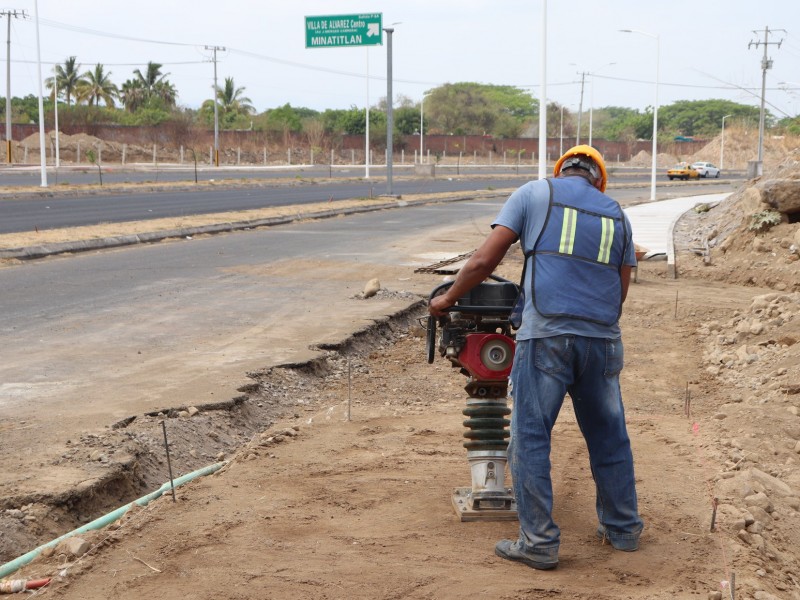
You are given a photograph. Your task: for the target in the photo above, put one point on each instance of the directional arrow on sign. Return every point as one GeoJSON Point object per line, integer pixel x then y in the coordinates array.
{"type": "Point", "coordinates": [372, 29]}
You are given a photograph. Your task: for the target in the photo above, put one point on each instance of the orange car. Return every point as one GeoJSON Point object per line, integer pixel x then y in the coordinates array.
{"type": "Point", "coordinates": [682, 171]}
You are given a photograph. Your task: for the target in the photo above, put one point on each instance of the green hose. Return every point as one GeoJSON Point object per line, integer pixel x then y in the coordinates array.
{"type": "Point", "coordinates": [107, 519]}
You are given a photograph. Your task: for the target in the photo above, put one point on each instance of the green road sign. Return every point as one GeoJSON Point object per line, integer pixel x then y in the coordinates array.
{"type": "Point", "coordinates": [344, 30]}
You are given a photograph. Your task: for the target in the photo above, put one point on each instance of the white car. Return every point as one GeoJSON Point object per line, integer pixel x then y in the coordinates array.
{"type": "Point", "coordinates": [706, 169]}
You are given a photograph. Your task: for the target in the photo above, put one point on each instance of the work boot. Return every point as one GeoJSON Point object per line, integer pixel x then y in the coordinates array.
{"type": "Point", "coordinates": [510, 551]}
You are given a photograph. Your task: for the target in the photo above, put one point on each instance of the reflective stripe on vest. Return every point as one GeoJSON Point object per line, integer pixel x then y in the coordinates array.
{"type": "Point", "coordinates": [604, 255]}
{"type": "Point", "coordinates": [568, 231]}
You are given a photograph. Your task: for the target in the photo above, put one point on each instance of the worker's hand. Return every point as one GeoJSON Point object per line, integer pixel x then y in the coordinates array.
{"type": "Point", "coordinates": [438, 304]}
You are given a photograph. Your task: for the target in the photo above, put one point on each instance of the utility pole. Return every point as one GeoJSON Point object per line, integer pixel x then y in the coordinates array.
{"type": "Point", "coordinates": [766, 63]}
{"type": "Point", "coordinates": [17, 14]}
{"type": "Point", "coordinates": [216, 113]}
{"type": "Point", "coordinates": [580, 110]}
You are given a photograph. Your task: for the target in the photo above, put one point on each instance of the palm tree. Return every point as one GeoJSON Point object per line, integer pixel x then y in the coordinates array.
{"type": "Point", "coordinates": [97, 85]}
{"type": "Point", "coordinates": [66, 80]}
{"type": "Point", "coordinates": [166, 91]}
{"type": "Point", "coordinates": [132, 95]}
{"type": "Point", "coordinates": [232, 98]}
{"type": "Point", "coordinates": [152, 84]}
{"type": "Point", "coordinates": [150, 77]}
{"type": "Point", "coordinates": [234, 106]}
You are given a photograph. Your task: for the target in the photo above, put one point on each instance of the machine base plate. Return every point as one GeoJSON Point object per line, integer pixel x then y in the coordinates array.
{"type": "Point", "coordinates": [462, 503]}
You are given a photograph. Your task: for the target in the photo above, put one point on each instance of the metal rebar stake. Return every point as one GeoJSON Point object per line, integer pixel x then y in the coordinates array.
{"type": "Point", "coordinates": [169, 463]}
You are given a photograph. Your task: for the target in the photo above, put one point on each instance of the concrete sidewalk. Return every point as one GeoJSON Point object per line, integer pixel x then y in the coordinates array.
{"type": "Point", "coordinates": [653, 223]}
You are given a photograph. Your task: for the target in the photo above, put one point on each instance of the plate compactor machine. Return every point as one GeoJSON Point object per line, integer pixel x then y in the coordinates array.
{"type": "Point", "coordinates": [476, 337]}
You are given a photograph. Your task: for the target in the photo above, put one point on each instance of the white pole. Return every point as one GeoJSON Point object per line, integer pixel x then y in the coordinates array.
{"type": "Point", "coordinates": [722, 144]}
{"type": "Point", "coordinates": [366, 134]}
{"type": "Point", "coordinates": [55, 108]}
{"type": "Point", "coordinates": [42, 156]}
{"type": "Point", "coordinates": [421, 125]}
{"type": "Point", "coordinates": [655, 121]}
{"type": "Point", "coordinates": [655, 108]}
{"type": "Point", "coordinates": [591, 106]}
{"type": "Point", "coordinates": [543, 99]}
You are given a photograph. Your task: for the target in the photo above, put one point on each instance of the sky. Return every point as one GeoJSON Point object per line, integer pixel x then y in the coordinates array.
{"type": "Point", "coordinates": [698, 50]}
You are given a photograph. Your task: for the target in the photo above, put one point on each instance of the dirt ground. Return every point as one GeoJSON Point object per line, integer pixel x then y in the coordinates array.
{"type": "Point", "coordinates": [319, 506]}
{"type": "Point", "coordinates": [339, 473]}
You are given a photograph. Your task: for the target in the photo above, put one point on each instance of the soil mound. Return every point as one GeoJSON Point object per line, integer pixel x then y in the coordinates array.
{"type": "Point", "coordinates": [752, 237]}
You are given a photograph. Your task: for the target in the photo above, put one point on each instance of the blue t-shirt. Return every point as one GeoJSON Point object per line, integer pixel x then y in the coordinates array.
{"type": "Point", "coordinates": [524, 213]}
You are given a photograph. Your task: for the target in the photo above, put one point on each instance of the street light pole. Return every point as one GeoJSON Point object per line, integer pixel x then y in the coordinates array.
{"type": "Point", "coordinates": [580, 110]}
{"type": "Point", "coordinates": [722, 144]}
{"type": "Point", "coordinates": [389, 110]}
{"type": "Point", "coordinates": [42, 155]}
{"type": "Point", "coordinates": [543, 99]}
{"type": "Point", "coordinates": [655, 108]}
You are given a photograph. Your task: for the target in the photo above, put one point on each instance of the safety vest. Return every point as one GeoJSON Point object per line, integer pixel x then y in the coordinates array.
{"type": "Point", "coordinates": [577, 257]}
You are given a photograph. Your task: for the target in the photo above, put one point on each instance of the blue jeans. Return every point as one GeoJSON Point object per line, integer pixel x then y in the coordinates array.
{"type": "Point", "coordinates": [544, 371]}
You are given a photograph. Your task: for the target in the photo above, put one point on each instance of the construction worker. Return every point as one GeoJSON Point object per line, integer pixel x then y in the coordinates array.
{"type": "Point", "coordinates": [579, 255]}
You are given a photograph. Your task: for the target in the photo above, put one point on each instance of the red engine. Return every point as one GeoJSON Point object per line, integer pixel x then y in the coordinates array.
{"type": "Point", "coordinates": [487, 356]}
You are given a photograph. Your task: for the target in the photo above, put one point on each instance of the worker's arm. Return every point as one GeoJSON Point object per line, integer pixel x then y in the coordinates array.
{"type": "Point", "coordinates": [625, 279]}
{"type": "Point", "coordinates": [479, 266]}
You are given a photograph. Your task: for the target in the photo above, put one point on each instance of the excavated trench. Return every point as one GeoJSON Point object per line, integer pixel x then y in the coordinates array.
{"type": "Point", "coordinates": [129, 459]}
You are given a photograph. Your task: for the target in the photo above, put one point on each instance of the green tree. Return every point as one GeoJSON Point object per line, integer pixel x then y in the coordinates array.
{"type": "Point", "coordinates": [283, 120]}
{"type": "Point", "coordinates": [406, 120]}
{"type": "Point", "coordinates": [233, 107]}
{"type": "Point", "coordinates": [790, 125]}
{"type": "Point", "coordinates": [703, 118]}
{"type": "Point", "coordinates": [149, 88]}
{"type": "Point", "coordinates": [67, 78]}
{"type": "Point", "coordinates": [232, 98]}
{"type": "Point", "coordinates": [150, 78]}
{"type": "Point", "coordinates": [96, 86]}
{"type": "Point", "coordinates": [620, 124]}
{"type": "Point", "coordinates": [479, 109]}
{"type": "Point", "coordinates": [133, 95]}
{"type": "Point", "coordinates": [25, 110]}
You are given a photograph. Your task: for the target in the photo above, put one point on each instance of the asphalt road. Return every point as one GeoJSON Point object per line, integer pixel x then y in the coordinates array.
{"type": "Point", "coordinates": [67, 210]}
{"type": "Point", "coordinates": [30, 176]}
{"type": "Point", "coordinates": [93, 338]}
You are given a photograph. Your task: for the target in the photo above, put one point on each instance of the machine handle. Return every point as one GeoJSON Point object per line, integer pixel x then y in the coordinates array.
{"type": "Point", "coordinates": [478, 310]}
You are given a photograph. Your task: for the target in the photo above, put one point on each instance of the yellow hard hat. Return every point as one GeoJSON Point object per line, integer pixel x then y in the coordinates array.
{"type": "Point", "coordinates": [584, 150]}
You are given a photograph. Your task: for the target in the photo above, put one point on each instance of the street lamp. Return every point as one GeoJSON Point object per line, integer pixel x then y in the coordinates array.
{"type": "Point", "coordinates": [389, 108]}
{"type": "Point", "coordinates": [655, 108]}
{"type": "Point", "coordinates": [42, 155]}
{"type": "Point", "coordinates": [722, 144]}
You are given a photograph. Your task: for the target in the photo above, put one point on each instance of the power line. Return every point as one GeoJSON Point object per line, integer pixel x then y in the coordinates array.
{"type": "Point", "coordinates": [115, 36]}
